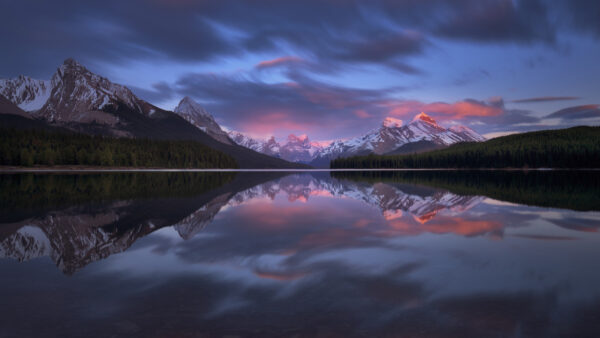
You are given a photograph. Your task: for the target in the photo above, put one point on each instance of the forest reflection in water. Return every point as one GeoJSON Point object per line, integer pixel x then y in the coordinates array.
{"type": "Point", "coordinates": [348, 253]}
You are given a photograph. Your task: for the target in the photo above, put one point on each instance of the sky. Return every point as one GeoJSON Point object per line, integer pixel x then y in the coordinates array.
{"type": "Point", "coordinates": [328, 68]}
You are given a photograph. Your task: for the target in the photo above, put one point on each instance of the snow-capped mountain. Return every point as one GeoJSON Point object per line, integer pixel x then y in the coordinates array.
{"type": "Point", "coordinates": [195, 114]}
{"type": "Point", "coordinates": [27, 93]}
{"type": "Point", "coordinates": [73, 95]}
{"type": "Point", "coordinates": [299, 149]}
{"type": "Point", "coordinates": [392, 135]}
{"type": "Point", "coordinates": [295, 149]}
{"type": "Point", "coordinates": [79, 95]}
{"type": "Point", "coordinates": [269, 147]}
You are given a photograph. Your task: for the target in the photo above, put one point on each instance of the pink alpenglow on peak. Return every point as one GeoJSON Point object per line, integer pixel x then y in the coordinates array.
{"type": "Point", "coordinates": [425, 118]}
{"type": "Point", "coordinates": [299, 138]}
{"type": "Point", "coordinates": [391, 122]}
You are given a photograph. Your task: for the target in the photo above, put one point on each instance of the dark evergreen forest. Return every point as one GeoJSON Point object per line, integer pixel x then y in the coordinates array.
{"type": "Point", "coordinates": [39, 147]}
{"type": "Point", "coordinates": [577, 147]}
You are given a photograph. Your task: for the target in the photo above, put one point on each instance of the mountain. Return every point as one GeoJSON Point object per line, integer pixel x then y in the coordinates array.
{"type": "Point", "coordinates": [576, 147]}
{"type": "Point", "coordinates": [195, 114]}
{"type": "Point", "coordinates": [392, 135]}
{"type": "Point", "coordinates": [269, 147]}
{"type": "Point", "coordinates": [7, 107]}
{"type": "Point", "coordinates": [27, 93]}
{"type": "Point", "coordinates": [421, 134]}
{"type": "Point", "coordinates": [79, 100]}
{"type": "Point", "coordinates": [416, 147]}
{"type": "Point", "coordinates": [296, 149]}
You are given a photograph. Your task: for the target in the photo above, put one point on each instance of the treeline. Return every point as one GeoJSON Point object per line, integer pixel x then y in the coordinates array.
{"type": "Point", "coordinates": [577, 147]}
{"type": "Point", "coordinates": [24, 194]}
{"type": "Point", "coordinates": [38, 147]}
{"type": "Point", "coordinates": [552, 188]}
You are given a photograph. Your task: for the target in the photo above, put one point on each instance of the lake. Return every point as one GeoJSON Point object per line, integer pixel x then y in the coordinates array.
{"type": "Point", "coordinates": [396, 253]}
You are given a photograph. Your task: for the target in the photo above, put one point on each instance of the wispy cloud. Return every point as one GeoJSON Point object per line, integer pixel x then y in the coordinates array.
{"type": "Point", "coordinates": [546, 99]}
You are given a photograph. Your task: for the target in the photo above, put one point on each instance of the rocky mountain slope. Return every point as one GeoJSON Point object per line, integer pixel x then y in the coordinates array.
{"type": "Point", "coordinates": [195, 114]}
{"type": "Point", "coordinates": [79, 100]}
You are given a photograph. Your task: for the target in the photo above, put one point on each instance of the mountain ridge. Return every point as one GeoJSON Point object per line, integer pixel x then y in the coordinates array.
{"type": "Point", "coordinates": [84, 102]}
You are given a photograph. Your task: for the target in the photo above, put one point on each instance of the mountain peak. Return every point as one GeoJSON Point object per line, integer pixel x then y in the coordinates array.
{"type": "Point", "coordinates": [195, 114]}
{"type": "Point", "coordinates": [188, 106]}
{"type": "Point", "coordinates": [71, 66]}
{"type": "Point", "coordinates": [425, 118]}
{"type": "Point", "coordinates": [301, 138]}
{"type": "Point", "coordinates": [71, 63]}
{"type": "Point", "coordinates": [391, 122]}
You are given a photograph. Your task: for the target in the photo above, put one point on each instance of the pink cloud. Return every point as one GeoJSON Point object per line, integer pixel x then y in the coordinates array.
{"type": "Point", "coordinates": [392, 122]}
{"type": "Point", "coordinates": [324, 143]}
{"type": "Point", "coordinates": [264, 124]}
{"type": "Point", "coordinates": [362, 113]}
{"type": "Point", "coordinates": [442, 110]}
{"type": "Point", "coordinates": [278, 62]}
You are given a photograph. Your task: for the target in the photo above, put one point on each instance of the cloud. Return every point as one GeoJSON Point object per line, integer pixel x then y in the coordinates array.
{"type": "Point", "coordinates": [284, 60]}
{"type": "Point", "coordinates": [332, 33]}
{"type": "Point", "coordinates": [445, 111]}
{"type": "Point", "coordinates": [325, 111]}
{"type": "Point", "coordinates": [160, 92]}
{"type": "Point", "coordinates": [299, 105]}
{"type": "Point", "coordinates": [578, 112]}
{"type": "Point", "coordinates": [362, 113]}
{"type": "Point", "coordinates": [546, 99]}
{"type": "Point", "coordinates": [522, 22]}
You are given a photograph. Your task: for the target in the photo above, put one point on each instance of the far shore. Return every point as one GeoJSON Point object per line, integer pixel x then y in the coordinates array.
{"type": "Point", "coordinates": [75, 169]}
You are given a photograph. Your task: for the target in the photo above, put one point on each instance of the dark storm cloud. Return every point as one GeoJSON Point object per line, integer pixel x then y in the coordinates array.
{"type": "Point", "coordinates": [42, 34]}
{"type": "Point", "coordinates": [498, 21]}
{"type": "Point", "coordinates": [38, 35]}
{"type": "Point", "coordinates": [582, 15]}
{"type": "Point", "coordinates": [546, 99]}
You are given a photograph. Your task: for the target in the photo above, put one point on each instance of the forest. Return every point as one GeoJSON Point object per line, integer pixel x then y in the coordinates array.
{"type": "Point", "coordinates": [566, 189]}
{"type": "Point", "coordinates": [577, 147]}
{"type": "Point", "coordinates": [46, 148]}
{"type": "Point", "coordinates": [23, 195]}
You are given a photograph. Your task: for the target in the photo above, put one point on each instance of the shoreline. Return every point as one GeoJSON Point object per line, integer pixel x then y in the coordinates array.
{"type": "Point", "coordinates": [76, 169]}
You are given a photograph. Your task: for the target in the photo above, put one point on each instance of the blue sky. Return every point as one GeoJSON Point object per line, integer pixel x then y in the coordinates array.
{"type": "Point", "coordinates": [328, 68]}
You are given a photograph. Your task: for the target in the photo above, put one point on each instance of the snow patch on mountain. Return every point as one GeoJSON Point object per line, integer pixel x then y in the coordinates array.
{"type": "Point", "coordinates": [27, 93]}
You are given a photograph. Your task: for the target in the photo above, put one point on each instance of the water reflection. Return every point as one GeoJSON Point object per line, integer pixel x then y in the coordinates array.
{"type": "Point", "coordinates": [375, 254]}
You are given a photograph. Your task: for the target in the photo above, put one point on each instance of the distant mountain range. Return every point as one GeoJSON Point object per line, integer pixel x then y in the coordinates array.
{"type": "Point", "coordinates": [421, 134]}
{"type": "Point", "coordinates": [76, 99]}
{"type": "Point", "coordinates": [575, 147]}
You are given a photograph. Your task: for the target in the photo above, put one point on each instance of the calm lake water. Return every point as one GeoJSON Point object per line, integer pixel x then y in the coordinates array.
{"type": "Point", "coordinates": [431, 254]}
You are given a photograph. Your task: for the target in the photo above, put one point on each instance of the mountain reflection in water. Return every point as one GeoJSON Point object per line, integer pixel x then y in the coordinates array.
{"type": "Point", "coordinates": [347, 254]}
